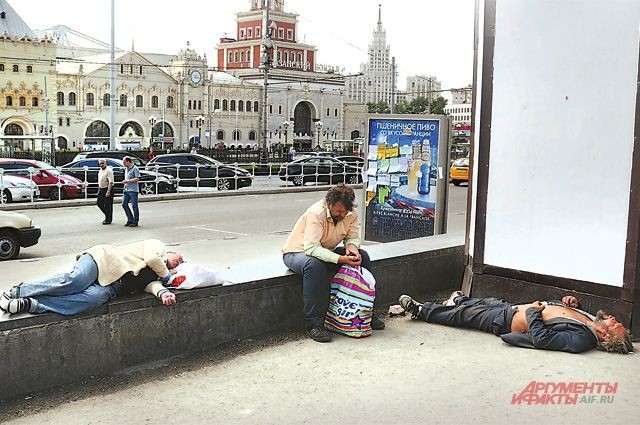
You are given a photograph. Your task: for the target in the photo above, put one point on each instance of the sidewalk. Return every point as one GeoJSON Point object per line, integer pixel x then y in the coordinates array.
{"type": "Point", "coordinates": [410, 373]}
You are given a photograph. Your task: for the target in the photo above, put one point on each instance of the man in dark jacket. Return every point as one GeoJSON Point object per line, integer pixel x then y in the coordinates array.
{"type": "Point", "coordinates": [551, 325]}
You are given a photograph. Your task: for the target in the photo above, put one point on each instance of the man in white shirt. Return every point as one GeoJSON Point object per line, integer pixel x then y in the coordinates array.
{"type": "Point", "coordinates": [105, 191]}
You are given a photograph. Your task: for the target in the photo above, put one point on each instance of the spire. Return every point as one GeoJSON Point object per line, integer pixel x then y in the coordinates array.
{"type": "Point", "coordinates": [133, 46]}
{"type": "Point", "coordinates": [379, 15]}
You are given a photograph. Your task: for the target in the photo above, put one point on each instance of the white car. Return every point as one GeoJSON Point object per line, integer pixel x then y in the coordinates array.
{"type": "Point", "coordinates": [16, 230]}
{"type": "Point", "coordinates": [17, 189]}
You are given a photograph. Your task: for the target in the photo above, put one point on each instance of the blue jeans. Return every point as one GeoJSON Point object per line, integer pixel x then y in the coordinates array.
{"type": "Point", "coordinates": [69, 293]}
{"type": "Point", "coordinates": [132, 197]}
{"type": "Point", "coordinates": [316, 282]}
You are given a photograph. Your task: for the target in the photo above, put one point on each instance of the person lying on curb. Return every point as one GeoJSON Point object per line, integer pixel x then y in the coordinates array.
{"type": "Point", "coordinates": [311, 250]}
{"type": "Point", "coordinates": [100, 273]}
{"type": "Point", "coordinates": [549, 325]}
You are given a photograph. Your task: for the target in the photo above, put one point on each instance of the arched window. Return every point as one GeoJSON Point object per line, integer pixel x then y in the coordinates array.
{"type": "Point", "coordinates": [242, 56]}
{"type": "Point", "coordinates": [106, 99]}
{"type": "Point", "coordinates": [271, 109]}
{"type": "Point", "coordinates": [154, 101]}
{"type": "Point", "coordinates": [328, 111]}
{"type": "Point", "coordinates": [90, 99]}
{"type": "Point", "coordinates": [278, 56]}
{"type": "Point", "coordinates": [34, 101]}
{"type": "Point", "coordinates": [97, 129]}
{"type": "Point", "coordinates": [216, 104]}
{"type": "Point", "coordinates": [72, 99]}
{"type": "Point", "coordinates": [279, 109]}
{"type": "Point", "coordinates": [232, 105]}
{"type": "Point", "coordinates": [123, 100]}
{"type": "Point", "coordinates": [236, 135]}
{"type": "Point", "coordinates": [286, 56]}
{"type": "Point", "coordinates": [22, 101]}
{"type": "Point", "coordinates": [140, 69]}
{"type": "Point", "coordinates": [225, 105]}
{"type": "Point", "coordinates": [241, 106]}
{"type": "Point", "coordinates": [15, 68]}
{"type": "Point", "coordinates": [13, 130]}
{"type": "Point", "coordinates": [200, 105]}
{"type": "Point", "coordinates": [68, 120]}
{"type": "Point", "coordinates": [220, 135]}
{"type": "Point", "coordinates": [230, 57]}
{"type": "Point", "coordinates": [1, 67]}
{"type": "Point", "coordinates": [189, 104]}
{"type": "Point", "coordinates": [235, 56]}
{"type": "Point", "coordinates": [169, 102]}
{"type": "Point", "coordinates": [59, 121]}
{"type": "Point", "coordinates": [300, 58]}
{"type": "Point", "coordinates": [252, 135]}
{"type": "Point", "coordinates": [60, 98]}
{"type": "Point", "coordinates": [335, 112]}
{"type": "Point", "coordinates": [29, 69]}
{"type": "Point", "coordinates": [256, 106]}
{"type": "Point", "coordinates": [139, 101]}
{"type": "Point", "coordinates": [248, 106]}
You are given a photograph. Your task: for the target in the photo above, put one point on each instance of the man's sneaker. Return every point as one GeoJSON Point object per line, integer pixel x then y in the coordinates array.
{"type": "Point", "coordinates": [4, 301]}
{"type": "Point", "coordinates": [452, 299]}
{"type": "Point", "coordinates": [410, 305]}
{"type": "Point", "coordinates": [376, 323]}
{"type": "Point", "coordinates": [319, 334]}
{"type": "Point", "coordinates": [14, 305]}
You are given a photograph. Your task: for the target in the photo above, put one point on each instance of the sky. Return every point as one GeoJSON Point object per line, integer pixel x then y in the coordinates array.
{"type": "Point", "coordinates": [427, 37]}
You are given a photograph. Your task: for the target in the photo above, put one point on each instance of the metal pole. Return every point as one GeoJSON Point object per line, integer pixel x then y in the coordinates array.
{"type": "Point", "coordinates": [112, 79]}
{"type": "Point", "coordinates": [266, 40]}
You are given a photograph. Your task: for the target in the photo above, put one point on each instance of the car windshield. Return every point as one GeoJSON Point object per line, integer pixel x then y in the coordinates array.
{"type": "Point", "coordinates": [50, 168]}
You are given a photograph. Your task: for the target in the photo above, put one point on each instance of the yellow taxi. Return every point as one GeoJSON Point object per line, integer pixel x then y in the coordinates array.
{"type": "Point", "coordinates": [459, 171]}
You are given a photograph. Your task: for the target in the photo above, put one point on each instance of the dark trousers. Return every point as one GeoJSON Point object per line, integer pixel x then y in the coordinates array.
{"type": "Point", "coordinates": [316, 282]}
{"type": "Point", "coordinates": [485, 314]}
{"type": "Point", "coordinates": [105, 203]}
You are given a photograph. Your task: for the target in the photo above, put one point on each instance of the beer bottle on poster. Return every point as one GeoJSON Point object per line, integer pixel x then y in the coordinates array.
{"type": "Point", "coordinates": [424, 183]}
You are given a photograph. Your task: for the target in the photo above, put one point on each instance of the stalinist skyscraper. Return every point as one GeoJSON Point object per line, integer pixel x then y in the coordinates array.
{"type": "Point", "coordinates": [377, 81]}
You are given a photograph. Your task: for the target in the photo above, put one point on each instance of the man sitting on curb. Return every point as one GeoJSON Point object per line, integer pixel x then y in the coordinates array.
{"type": "Point", "coordinates": [100, 273]}
{"type": "Point", "coordinates": [552, 325]}
{"type": "Point", "coordinates": [310, 251]}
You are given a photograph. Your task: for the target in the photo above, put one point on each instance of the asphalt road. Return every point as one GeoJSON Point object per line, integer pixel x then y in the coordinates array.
{"type": "Point", "coordinates": [72, 229]}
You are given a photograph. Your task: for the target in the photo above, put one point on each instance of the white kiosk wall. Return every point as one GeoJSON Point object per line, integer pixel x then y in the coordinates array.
{"type": "Point", "coordinates": [562, 133]}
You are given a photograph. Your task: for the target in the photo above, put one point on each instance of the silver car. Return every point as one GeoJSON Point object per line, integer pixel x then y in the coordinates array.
{"type": "Point", "coordinates": [17, 189]}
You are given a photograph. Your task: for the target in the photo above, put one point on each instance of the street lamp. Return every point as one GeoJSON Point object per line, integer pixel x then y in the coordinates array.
{"type": "Point", "coordinates": [285, 125]}
{"type": "Point", "coordinates": [199, 122]}
{"type": "Point", "coordinates": [152, 122]}
{"type": "Point", "coordinates": [318, 130]}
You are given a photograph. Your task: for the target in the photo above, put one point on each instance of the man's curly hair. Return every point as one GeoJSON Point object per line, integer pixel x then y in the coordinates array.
{"type": "Point", "coordinates": [341, 193]}
{"type": "Point", "coordinates": [615, 343]}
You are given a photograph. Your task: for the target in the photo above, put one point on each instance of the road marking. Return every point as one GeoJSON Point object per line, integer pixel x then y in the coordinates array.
{"type": "Point", "coordinates": [212, 230]}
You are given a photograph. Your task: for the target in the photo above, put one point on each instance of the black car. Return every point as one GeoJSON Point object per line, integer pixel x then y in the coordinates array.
{"type": "Point", "coordinates": [137, 161]}
{"type": "Point", "coordinates": [322, 169]}
{"type": "Point", "coordinates": [192, 169]}
{"type": "Point", "coordinates": [355, 161]}
{"type": "Point", "coordinates": [147, 183]}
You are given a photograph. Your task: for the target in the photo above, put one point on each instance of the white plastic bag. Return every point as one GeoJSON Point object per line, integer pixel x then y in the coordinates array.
{"type": "Point", "coordinates": [191, 275]}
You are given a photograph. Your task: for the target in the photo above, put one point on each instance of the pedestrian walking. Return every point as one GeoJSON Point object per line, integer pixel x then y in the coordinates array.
{"type": "Point", "coordinates": [131, 191]}
{"type": "Point", "coordinates": [105, 191]}
{"type": "Point", "coordinates": [151, 154]}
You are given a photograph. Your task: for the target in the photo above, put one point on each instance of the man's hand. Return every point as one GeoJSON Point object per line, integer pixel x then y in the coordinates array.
{"type": "Point", "coordinates": [570, 301]}
{"type": "Point", "coordinates": [537, 305]}
{"type": "Point", "coordinates": [168, 298]}
{"type": "Point", "coordinates": [350, 259]}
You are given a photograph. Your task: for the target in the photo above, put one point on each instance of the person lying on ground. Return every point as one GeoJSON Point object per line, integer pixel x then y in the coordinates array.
{"type": "Point", "coordinates": [550, 325]}
{"type": "Point", "coordinates": [100, 273]}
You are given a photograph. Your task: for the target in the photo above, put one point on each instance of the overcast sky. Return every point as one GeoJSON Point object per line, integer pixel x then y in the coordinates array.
{"type": "Point", "coordinates": [429, 37]}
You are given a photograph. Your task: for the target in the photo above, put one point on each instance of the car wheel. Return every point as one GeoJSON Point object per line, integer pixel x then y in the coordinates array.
{"type": "Point", "coordinates": [5, 197]}
{"type": "Point", "coordinates": [57, 193]}
{"type": "Point", "coordinates": [224, 184]}
{"type": "Point", "coordinates": [298, 180]}
{"type": "Point", "coordinates": [147, 188]}
{"type": "Point", "coordinates": [353, 179]}
{"type": "Point", "coordinates": [9, 246]}
{"type": "Point", "coordinates": [456, 182]}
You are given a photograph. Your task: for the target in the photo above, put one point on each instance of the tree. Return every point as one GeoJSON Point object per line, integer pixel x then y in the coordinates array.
{"type": "Point", "coordinates": [380, 107]}
{"type": "Point", "coordinates": [437, 106]}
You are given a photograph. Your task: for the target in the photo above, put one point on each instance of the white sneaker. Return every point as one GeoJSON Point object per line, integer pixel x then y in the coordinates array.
{"type": "Point", "coordinates": [452, 299]}
{"type": "Point", "coordinates": [4, 301]}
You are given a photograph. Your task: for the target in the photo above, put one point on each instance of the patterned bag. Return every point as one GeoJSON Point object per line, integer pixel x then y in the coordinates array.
{"type": "Point", "coordinates": [353, 291]}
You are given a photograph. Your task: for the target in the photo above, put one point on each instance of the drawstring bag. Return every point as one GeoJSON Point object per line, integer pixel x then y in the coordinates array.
{"type": "Point", "coordinates": [353, 291]}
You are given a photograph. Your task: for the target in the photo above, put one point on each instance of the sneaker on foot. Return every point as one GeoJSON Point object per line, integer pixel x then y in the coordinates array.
{"type": "Point", "coordinates": [17, 305]}
{"type": "Point", "coordinates": [319, 334]}
{"type": "Point", "coordinates": [452, 299]}
{"type": "Point", "coordinates": [376, 323]}
{"type": "Point", "coordinates": [5, 298]}
{"type": "Point", "coordinates": [410, 305]}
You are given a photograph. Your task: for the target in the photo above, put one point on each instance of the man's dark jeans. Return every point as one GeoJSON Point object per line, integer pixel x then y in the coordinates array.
{"type": "Point", "coordinates": [316, 282]}
{"type": "Point", "coordinates": [485, 314]}
{"type": "Point", "coordinates": [105, 203]}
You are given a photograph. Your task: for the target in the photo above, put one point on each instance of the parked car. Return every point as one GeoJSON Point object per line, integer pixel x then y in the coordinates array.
{"type": "Point", "coordinates": [137, 161]}
{"type": "Point", "coordinates": [16, 230]}
{"type": "Point", "coordinates": [318, 168]}
{"type": "Point", "coordinates": [52, 183]}
{"type": "Point", "coordinates": [459, 171]}
{"type": "Point", "coordinates": [17, 189]}
{"type": "Point", "coordinates": [355, 161]}
{"type": "Point", "coordinates": [210, 171]}
{"type": "Point", "coordinates": [147, 184]}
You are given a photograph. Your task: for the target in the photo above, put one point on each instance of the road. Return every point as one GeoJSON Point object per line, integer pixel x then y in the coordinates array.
{"type": "Point", "coordinates": [71, 229]}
